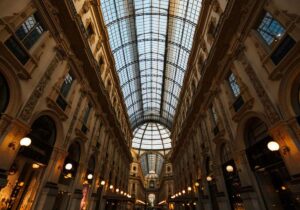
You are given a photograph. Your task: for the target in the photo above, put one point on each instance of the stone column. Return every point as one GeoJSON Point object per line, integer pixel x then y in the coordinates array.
{"type": "Point", "coordinates": [76, 189]}
{"type": "Point", "coordinates": [48, 188]}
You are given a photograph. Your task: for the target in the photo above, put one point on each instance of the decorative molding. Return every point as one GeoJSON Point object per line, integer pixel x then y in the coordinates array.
{"type": "Point", "coordinates": [269, 108]}
{"type": "Point", "coordinates": [26, 113]}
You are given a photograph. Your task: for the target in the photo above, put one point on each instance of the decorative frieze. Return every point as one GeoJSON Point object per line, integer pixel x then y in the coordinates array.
{"type": "Point", "coordinates": [37, 93]}
{"type": "Point", "coordinates": [269, 108]}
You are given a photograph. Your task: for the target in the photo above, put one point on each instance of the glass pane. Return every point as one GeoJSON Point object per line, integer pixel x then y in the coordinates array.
{"type": "Point", "coordinates": [270, 29]}
{"type": "Point", "coordinates": [66, 86]}
{"type": "Point", "coordinates": [150, 41]}
{"type": "Point", "coordinates": [234, 86]}
{"type": "Point", "coordinates": [13, 45]}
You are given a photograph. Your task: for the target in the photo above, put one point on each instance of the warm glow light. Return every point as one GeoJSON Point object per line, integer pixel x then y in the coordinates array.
{"type": "Point", "coordinates": [128, 196]}
{"type": "Point", "coordinates": [102, 183]}
{"type": "Point", "coordinates": [68, 176]}
{"type": "Point", "coordinates": [90, 176]}
{"type": "Point", "coordinates": [179, 193]}
{"type": "Point", "coordinates": [197, 184]}
{"type": "Point", "coordinates": [209, 178]}
{"type": "Point", "coordinates": [25, 141]}
{"type": "Point", "coordinates": [122, 192]}
{"type": "Point", "coordinates": [68, 166]}
{"type": "Point", "coordinates": [117, 190]}
{"type": "Point", "coordinates": [111, 186]}
{"type": "Point", "coordinates": [195, 203]}
{"type": "Point", "coordinates": [229, 168]}
{"type": "Point", "coordinates": [35, 165]}
{"type": "Point", "coordinates": [125, 194]}
{"type": "Point", "coordinates": [189, 189]}
{"type": "Point", "coordinates": [183, 191]}
{"type": "Point", "coordinates": [21, 184]}
{"type": "Point", "coordinates": [283, 187]}
{"type": "Point", "coordinates": [273, 146]}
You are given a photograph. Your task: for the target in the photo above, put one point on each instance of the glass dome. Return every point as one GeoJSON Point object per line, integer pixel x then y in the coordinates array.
{"type": "Point", "coordinates": [151, 136]}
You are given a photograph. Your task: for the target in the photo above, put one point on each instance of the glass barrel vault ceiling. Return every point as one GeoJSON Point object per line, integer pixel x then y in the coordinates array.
{"type": "Point", "coordinates": [151, 42]}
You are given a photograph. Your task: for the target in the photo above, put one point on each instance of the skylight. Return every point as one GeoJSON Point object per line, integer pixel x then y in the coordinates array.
{"type": "Point", "coordinates": [151, 136]}
{"type": "Point", "coordinates": [152, 162]}
{"type": "Point", "coordinates": [151, 42]}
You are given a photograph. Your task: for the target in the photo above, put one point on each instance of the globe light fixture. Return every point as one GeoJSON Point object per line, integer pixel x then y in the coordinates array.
{"type": "Point", "coordinates": [111, 186]}
{"type": "Point", "coordinates": [189, 189]}
{"type": "Point", "coordinates": [229, 168]}
{"type": "Point", "coordinates": [117, 190]}
{"type": "Point", "coordinates": [122, 192]}
{"type": "Point", "coordinates": [273, 146]}
{"type": "Point", "coordinates": [209, 178]}
{"type": "Point", "coordinates": [68, 166]}
{"type": "Point", "coordinates": [90, 176]}
{"type": "Point", "coordinates": [197, 184]}
{"type": "Point", "coordinates": [183, 191]}
{"type": "Point", "coordinates": [102, 183]}
{"type": "Point", "coordinates": [35, 166]}
{"type": "Point", "coordinates": [179, 193]}
{"type": "Point", "coordinates": [26, 141]}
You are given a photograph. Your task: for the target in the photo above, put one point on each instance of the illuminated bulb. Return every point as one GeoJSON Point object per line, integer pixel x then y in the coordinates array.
{"type": "Point", "coordinates": [117, 190]}
{"type": "Point", "coordinates": [102, 183]}
{"type": "Point", "coordinates": [189, 189]}
{"type": "Point", "coordinates": [229, 168]}
{"type": "Point", "coordinates": [125, 194]}
{"type": "Point", "coordinates": [209, 178]}
{"type": "Point", "coordinates": [111, 186]}
{"type": "Point", "coordinates": [25, 141]}
{"type": "Point", "coordinates": [179, 193]}
{"type": "Point", "coordinates": [122, 192]}
{"type": "Point", "coordinates": [273, 146]}
{"type": "Point", "coordinates": [183, 191]}
{"type": "Point", "coordinates": [128, 196]}
{"type": "Point", "coordinates": [195, 203]}
{"type": "Point", "coordinates": [35, 165]}
{"type": "Point", "coordinates": [21, 184]}
{"type": "Point", "coordinates": [283, 187]}
{"type": "Point", "coordinates": [197, 184]}
{"type": "Point", "coordinates": [90, 176]}
{"type": "Point", "coordinates": [68, 166]}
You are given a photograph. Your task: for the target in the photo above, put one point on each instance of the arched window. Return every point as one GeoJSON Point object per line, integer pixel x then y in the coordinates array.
{"type": "Point", "coordinates": [4, 94]}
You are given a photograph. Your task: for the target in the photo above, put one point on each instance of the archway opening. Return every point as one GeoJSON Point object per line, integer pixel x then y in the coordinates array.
{"type": "Point", "coordinates": [31, 162]}
{"type": "Point", "coordinates": [268, 166]}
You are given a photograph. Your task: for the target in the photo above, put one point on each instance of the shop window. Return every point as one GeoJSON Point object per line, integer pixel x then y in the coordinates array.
{"type": "Point", "coordinates": [4, 94]}
{"type": "Point", "coordinates": [64, 91]}
{"type": "Point", "coordinates": [270, 29]}
{"type": "Point", "coordinates": [27, 34]}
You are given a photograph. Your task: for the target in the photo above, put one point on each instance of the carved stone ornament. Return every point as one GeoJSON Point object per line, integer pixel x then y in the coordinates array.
{"type": "Point", "coordinates": [39, 90]}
